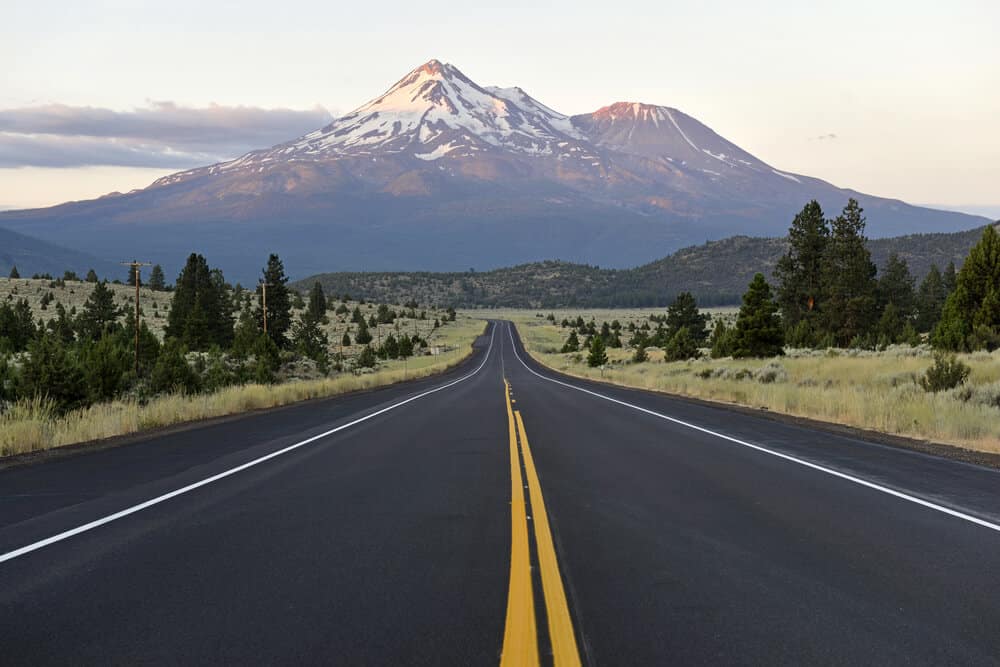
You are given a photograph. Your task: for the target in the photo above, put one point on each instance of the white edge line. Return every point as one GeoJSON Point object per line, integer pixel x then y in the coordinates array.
{"type": "Point", "coordinates": [10, 555]}
{"type": "Point", "coordinates": [765, 450]}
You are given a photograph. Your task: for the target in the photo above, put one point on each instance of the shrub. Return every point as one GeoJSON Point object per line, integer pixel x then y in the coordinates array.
{"type": "Point", "coordinates": [640, 355]}
{"type": "Point", "coordinates": [682, 346]}
{"type": "Point", "coordinates": [946, 373]}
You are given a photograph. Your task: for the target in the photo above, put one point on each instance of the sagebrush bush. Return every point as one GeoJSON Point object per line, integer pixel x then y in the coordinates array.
{"type": "Point", "coordinates": [946, 373]}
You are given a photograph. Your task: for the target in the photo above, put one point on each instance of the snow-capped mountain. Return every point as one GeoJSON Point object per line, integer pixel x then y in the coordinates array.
{"type": "Point", "coordinates": [439, 172]}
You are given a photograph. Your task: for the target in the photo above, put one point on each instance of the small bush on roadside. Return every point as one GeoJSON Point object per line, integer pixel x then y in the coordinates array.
{"type": "Point", "coordinates": [946, 373]}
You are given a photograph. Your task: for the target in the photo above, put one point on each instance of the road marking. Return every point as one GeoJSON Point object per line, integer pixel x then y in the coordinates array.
{"type": "Point", "coordinates": [564, 650]}
{"type": "Point", "coordinates": [829, 471]}
{"type": "Point", "coordinates": [520, 638]}
{"type": "Point", "coordinates": [10, 555]}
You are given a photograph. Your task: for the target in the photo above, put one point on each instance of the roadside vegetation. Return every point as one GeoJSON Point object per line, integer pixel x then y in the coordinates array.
{"type": "Point", "coordinates": [69, 373]}
{"type": "Point", "coordinates": [833, 339]}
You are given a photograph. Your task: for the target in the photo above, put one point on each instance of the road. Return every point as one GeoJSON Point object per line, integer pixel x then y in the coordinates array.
{"type": "Point", "coordinates": [500, 513]}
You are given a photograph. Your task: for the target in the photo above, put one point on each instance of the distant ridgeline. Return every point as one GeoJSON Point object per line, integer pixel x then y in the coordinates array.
{"type": "Point", "coordinates": [717, 273]}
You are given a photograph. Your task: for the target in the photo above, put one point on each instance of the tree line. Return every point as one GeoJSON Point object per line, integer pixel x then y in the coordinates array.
{"type": "Point", "coordinates": [829, 293]}
{"type": "Point", "coordinates": [80, 358]}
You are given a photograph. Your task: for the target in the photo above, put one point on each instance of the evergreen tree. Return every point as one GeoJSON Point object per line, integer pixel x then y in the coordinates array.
{"type": "Point", "coordinates": [346, 340]}
{"type": "Point", "coordinates": [363, 337]}
{"type": "Point", "coordinates": [597, 356]}
{"type": "Point", "coordinates": [130, 280]}
{"type": "Point", "coordinates": [849, 275]}
{"type": "Point", "coordinates": [99, 315]}
{"type": "Point", "coordinates": [366, 359]}
{"type": "Point", "coordinates": [930, 300]}
{"type": "Point", "coordinates": [50, 371]}
{"type": "Point", "coordinates": [681, 346]}
{"type": "Point", "coordinates": [950, 278]}
{"type": "Point", "coordinates": [971, 316]}
{"type": "Point", "coordinates": [572, 343]}
{"type": "Point", "coordinates": [683, 313]}
{"type": "Point", "coordinates": [390, 348]}
{"type": "Point", "coordinates": [896, 286]}
{"type": "Point", "coordinates": [62, 325]}
{"type": "Point", "coordinates": [759, 331]}
{"type": "Point", "coordinates": [149, 345]}
{"type": "Point", "coordinates": [316, 311]}
{"type": "Point", "coordinates": [356, 316]}
{"type": "Point", "coordinates": [92, 276]}
{"type": "Point", "coordinates": [17, 327]}
{"type": "Point", "coordinates": [107, 367]}
{"type": "Point", "coordinates": [722, 340]}
{"type": "Point", "coordinates": [246, 333]}
{"type": "Point", "coordinates": [267, 358]}
{"type": "Point", "coordinates": [157, 281]}
{"type": "Point", "coordinates": [172, 373]}
{"type": "Point", "coordinates": [200, 314]}
{"type": "Point", "coordinates": [311, 341]}
{"type": "Point", "coordinates": [640, 355]}
{"type": "Point", "coordinates": [14, 273]}
{"type": "Point", "coordinates": [405, 347]}
{"type": "Point", "coordinates": [800, 275]}
{"type": "Point", "coordinates": [279, 303]}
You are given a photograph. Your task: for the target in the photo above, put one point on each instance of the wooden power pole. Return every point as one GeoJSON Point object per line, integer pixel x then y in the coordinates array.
{"type": "Point", "coordinates": [136, 266]}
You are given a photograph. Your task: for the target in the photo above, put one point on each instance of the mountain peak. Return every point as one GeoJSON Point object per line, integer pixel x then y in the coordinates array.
{"type": "Point", "coordinates": [631, 110]}
{"type": "Point", "coordinates": [433, 67]}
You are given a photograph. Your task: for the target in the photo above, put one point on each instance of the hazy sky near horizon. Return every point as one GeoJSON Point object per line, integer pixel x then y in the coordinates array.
{"type": "Point", "coordinates": [898, 98]}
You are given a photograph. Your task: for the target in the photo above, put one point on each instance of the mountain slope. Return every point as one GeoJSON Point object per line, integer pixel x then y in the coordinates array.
{"type": "Point", "coordinates": [440, 173]}
{"type": "Point", "coordinates": [695, 269]}
{"type": "Point", "coordinates": [32, 256]}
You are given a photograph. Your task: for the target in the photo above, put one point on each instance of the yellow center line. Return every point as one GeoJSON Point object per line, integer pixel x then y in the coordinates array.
{"type": "Point", "coordinates": [564, 649]}
{"type": "Point", "coordinates": [520, 638]}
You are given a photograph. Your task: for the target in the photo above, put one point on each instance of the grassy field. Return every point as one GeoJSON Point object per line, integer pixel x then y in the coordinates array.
{"type": "Point", "coordinates": [872, 390]}
{"type": "Point", "coordinates": [31, 425]}
{"type": "Point", "coordinates": [156, 306]}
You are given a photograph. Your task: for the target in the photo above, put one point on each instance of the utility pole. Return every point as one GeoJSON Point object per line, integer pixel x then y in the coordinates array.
{"type": "Point", "coordinates": [136, 267]}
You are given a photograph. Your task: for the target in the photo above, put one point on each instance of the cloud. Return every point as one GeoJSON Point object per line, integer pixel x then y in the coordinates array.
{"type": "Point", "coordinates": [162, 134]}
{"type": "Point", "coordinates": [830, 136]}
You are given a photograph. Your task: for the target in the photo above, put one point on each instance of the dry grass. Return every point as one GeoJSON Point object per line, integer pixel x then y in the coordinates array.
{"type": "Point", "coordinates": [871, 390]}
{"type": "Point", "coordinates": [32, 425]}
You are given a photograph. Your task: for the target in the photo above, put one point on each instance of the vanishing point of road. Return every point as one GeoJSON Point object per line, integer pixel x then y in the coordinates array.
{"type": "Point", "coordinates": [499, 514]}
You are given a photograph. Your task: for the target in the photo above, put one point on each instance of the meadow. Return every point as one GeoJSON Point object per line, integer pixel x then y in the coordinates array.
{"type": "Point", "coordinates": [33, 424]}
{"type": "Point", "coordinates": [875, 390]}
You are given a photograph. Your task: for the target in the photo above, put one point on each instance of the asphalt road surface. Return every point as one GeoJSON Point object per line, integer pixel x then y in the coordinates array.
{"type": "Point", "coordinates": [500, 514]}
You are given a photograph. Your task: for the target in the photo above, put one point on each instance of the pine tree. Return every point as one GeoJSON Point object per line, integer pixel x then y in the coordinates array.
{"type": "Point", "coordinates": [759, 331]}
{"type": "Point", "coordinates": [157, 281]}
{"type": "Point", "coordinates": [316, 310]}
{"type": "Point", "coordinates": [572, 343]}
{"type": "Point", "coordinates": [971, 316]}
{"type": "Point", "coordinates": [14, 273]}
{"type": "Point", "coordinates": [849, 275]}
{"type": "Point", "coordinates": [405, 347]}
{"type": "Point", "coordinates": [200, 313]}
{"type": "Point", "coordinates": [801, 282]}
{"type": "Point", "coordinates": [50, 371]}
{"type": "Point", "coordinates": [896, 286]}
{"type": "Point", "coordinates": [640, 355]}
{"type": "Point", "coordinates": [346, 340]}
{"type": "Point", "coordinates": [930, 300]}
{"type": "Point", "coordinates": [722, 340]}
{"type": "Point", "coordinates": [130, 280]}
{"type": "Point", "coordinates": [683, 313]}
{"type": "Point", "coordinates": [681, 346]}
{"type": "Point", "coordinates": [92, 276]}
{"type": "Point", "coordinates": [950, 278]}
{"type": "Point", "coordinates": [246, 333]}
{"type": "Point", "coordinates": [17, 327]}
{"type": "Point", "coordinates": [99, 315]}
{"type": "Point", "coordinates": [107, 367]}
{"type": "Point", "coordinates": [366, 359]}
{"type": "Point", "coordinates": [172, 373]}
{"type": "Point", "coordinates": [598, 356]}
{"type": "Point", "coordinates": [363, 337]}
{"type": "Point", "coordinates": [311, 341]}
{"type": "Point", "coordinates": [62, 325]}
{"type": "Point", "coordinates": [279, 303]}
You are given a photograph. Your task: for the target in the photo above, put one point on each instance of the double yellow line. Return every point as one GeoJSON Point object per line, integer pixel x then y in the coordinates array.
{"type": "Point", "coordinates": [520, 639]}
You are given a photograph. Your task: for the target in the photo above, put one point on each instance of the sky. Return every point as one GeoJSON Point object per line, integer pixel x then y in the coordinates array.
{"type": "Point", "coordinates": [898, 98]}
